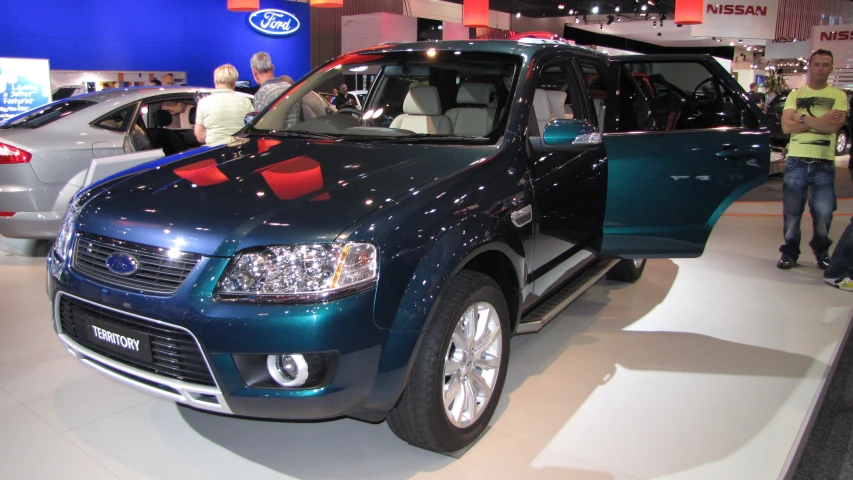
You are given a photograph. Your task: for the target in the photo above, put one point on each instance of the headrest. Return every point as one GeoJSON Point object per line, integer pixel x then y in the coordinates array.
{"type": "Point", "coordinates": [422, 100]}
{"type": "Point", "coordinates": [542, 104]}
{"type": "Point", "coordinates": [162, 118]}
{"type": "Point", "coordinates": [192, 115]}
{"type": "Point", "coordinates": [558, 102]}
{"type": "Point", "coordinates": [475, 93]}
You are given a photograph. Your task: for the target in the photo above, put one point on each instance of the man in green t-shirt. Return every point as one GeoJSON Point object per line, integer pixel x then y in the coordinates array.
{"type": "Point", "coordinates": [812, 115]}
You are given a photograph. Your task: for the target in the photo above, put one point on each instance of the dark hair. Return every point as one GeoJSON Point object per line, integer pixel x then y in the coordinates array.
{"type": "Point", "coordinates": [822, 52]}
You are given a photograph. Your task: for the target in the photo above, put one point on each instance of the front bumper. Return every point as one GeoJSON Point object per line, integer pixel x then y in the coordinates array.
{"type": "Point", "coordinates": [370, 362]}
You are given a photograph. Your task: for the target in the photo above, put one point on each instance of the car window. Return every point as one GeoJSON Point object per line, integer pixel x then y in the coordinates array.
{"type": "Point", "coordinates": [596, 90]}
{"type": "Point", "coordinates": [778, 103]}
{"type": "Point", "coordinates": [48, 114]}
{"type": "Point", "coordinates": [436, 96]}
{"type": "Point", "coordinates": [118, 120]}
{"type": "Point", "coordinates": [557, 97]}
{"type": "Point", "coordinates": [686, 96]}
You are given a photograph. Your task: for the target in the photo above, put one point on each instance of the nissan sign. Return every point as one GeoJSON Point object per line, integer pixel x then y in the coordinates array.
{"type": "Point", "coordinates": [274, 22]}
{"type": "Point", "coordinates": [745, 19]}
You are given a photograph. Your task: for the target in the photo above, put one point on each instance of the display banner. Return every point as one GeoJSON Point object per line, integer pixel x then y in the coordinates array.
{"type": "Point", "coordinates": [754, 19]}
{"type": "Point", "coordinates": [838, 39]}
{"type": "Point", "coordinates": [24, 85]}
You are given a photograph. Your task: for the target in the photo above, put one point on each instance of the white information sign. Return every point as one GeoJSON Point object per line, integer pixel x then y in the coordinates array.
{"type": "Point", "coordinates": [838, 39]}
{"type": "Point", "coordinates": [24, 85]}
{"type": "Point", "coordinates": [753, 19]}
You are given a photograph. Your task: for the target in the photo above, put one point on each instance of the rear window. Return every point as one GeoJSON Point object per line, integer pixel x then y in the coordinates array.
{"type": "Point", "coordinates": [47, 114]}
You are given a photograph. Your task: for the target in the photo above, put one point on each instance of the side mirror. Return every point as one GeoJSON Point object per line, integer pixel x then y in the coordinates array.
{"type": "Point", "coordinates": [563, 132]}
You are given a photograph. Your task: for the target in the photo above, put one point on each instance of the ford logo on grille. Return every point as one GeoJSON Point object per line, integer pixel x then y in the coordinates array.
{"type": "Point", "coordinates": [274, 22]}
{"type": "Point", "coordinates": [122, 263]}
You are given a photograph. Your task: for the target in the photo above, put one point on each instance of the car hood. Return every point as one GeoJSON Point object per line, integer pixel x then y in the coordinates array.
{"type": "Point", "coordinates": [265, 191]}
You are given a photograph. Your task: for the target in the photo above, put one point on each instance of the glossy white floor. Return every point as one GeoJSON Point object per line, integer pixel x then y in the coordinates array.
{"type": "Point", "coordinates": [707, 368]}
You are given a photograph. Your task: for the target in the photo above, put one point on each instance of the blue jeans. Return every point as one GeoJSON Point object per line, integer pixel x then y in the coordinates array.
{"type": "Point", "coordinates": [802, 174]}
{"type": "Point", "coordinates": [841, 263]}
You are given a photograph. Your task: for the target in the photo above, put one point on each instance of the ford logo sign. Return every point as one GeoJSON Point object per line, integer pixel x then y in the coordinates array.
{"type": "Point", "coordinates": [274, 22]}
{"type": "Point", "coordinates": [122, 264]}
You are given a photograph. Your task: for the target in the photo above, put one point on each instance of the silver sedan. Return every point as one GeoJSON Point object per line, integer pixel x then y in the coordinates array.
{"type": "Point", "coordinates": [49, 153]}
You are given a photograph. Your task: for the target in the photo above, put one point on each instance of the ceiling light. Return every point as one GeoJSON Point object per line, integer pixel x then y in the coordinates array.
{"type": "Point", "coordinates": [643, 8]}
{"type": "Point", "coordinates": [740, 41]}
{"type": "Point", "coordinates": [748, 49]}
{"type": "Point", "coordinates": [518, 15]}
{"type": "Point", "coordinates": [731, 44]}
{"type": "Point", "coordinates": [571, 12]}
{"type": "Point", "coordinates": [617, 9]}
{"type": "Point", "coordinates": [595, 9]}
{"type": "Point", "coordinates": [561, 6]}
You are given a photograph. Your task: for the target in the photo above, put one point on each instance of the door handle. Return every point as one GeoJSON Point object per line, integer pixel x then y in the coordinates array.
{"type": "Point", "coordinates": [731, 152]}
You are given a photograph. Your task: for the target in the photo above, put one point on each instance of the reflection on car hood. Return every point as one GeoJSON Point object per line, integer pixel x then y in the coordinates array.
{"type": "Point", "coordinates": [265, 191]}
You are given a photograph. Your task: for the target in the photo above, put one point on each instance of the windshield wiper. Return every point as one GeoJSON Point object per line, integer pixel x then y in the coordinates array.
{"type": "Point", "coordinates": [293, 134]}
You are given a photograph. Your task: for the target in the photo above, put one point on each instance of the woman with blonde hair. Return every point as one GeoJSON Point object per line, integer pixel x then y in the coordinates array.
{"type": "Point", "coordinates": [220, 114]}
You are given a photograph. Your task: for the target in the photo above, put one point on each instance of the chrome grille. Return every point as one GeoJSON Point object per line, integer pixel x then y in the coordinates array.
{"type": "Point", "coordinates": [175, 352]}
{"type": "Point", "coordinates": [157, 273]}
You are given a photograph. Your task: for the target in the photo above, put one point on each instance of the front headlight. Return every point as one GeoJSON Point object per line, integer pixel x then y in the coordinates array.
{"type": "Point", "coordinates": [300, 273]}
{"type": "Point", "coordinates": [66, 232]}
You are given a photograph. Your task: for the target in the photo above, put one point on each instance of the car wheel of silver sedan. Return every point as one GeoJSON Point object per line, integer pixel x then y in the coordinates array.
{"type": "Point", "coordinates": [459, 373]}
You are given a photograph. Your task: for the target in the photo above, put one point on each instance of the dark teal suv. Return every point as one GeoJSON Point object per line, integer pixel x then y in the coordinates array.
{"type": "Point", "coordinates": [374, 263]}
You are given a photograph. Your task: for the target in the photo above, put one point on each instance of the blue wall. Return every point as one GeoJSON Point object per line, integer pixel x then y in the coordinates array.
{"type": "Point", "coordinates": [194, 36]}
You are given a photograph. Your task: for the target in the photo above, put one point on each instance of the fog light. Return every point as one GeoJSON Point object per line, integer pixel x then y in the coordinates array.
{"type": "Point", "coordinates": [288, 370]}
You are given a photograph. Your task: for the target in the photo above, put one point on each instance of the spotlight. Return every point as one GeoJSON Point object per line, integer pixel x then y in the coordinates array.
{"type": "Point", "coordinates": [740, 41]}
{"type": "Point", "coordinates": [571, 12]}
{"type": "Point", "coordinates": [731, 44]}
{"type": "Point", "coordinates": [561, 6]}
{"type": "Point", "coordinates": [643, 8]}
{"type": "Point", "coordinates": [518, 15]}
{"type": "Point", "coordinates": [616, 9]}
{"type": "Point", "coordinates": [595, 9]}
{"type": "Point", "coordinates": [610, 19]}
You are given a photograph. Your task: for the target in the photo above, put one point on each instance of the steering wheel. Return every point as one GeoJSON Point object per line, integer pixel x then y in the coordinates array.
{"type": "Point", "coordinates": [350, 110]}
{"type": "Point", "coordinates": [695, 96]}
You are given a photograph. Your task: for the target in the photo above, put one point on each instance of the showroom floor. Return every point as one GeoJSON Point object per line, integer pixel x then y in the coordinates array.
{"type": "Point", "coordinates": [707, 368]}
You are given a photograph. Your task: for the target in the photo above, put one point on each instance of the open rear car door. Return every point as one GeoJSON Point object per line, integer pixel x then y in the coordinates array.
{"type": "Point", "coordinates": [683, 143]}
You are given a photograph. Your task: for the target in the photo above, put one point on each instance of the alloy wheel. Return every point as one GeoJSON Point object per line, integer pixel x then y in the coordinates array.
{"type": "Point", "coordinates": [472, 364]}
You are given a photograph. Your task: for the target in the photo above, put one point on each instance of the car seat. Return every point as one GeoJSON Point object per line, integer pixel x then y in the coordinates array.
{"type": "Point", "coordinates": [473, 116]}
{"type": "Point", "coordinates": [548, 105]}
{"type": "Point", "coordinates": [422, 113]}
{"type": "Point", "coordinates": [163, 137]}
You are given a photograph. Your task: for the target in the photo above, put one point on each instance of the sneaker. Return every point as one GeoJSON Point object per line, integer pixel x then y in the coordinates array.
{"type": "Point", "coordinates": [786, 262]}
{"type": "Point", "coordinates": [845, 284]}
{"type": "Point", "coordinates": [823, 261]}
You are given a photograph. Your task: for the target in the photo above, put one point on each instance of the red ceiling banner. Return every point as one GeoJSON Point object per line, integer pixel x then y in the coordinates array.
{"type": "Point", "coordinates": [475, 13]}
{"type": "Point", "coordinates": [689, 12]}
{"type": "Point", "coordinates": [244, 5]}
{"type": "Point", "coordinates": [327, 3]}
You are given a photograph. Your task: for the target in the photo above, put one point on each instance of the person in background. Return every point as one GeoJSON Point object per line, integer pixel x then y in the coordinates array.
{"type": "Point", "coordinates": [220, 114]}
{"type": "Point", "coordinates": [345, 99]}
{"type": "Point", "coordinates": [812, 115]}
{"type": "Point", "coordinates": [168, 79]}
{"type": "Point", "coordinates": [156, 82]}
{"type": "Point", "coordinates": [839, 274]}
{"type": "Point", "coordinates": [334, 98]}
{"type": "Point", "coordinates": [263, 71]}
{"type": "Point", "coordinates": [756, 96]}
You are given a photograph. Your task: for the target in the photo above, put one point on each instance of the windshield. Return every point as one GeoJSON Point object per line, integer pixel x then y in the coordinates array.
{"type": "Point", "coordinates": [427, 96]}
{"type": "Point", "coordinates": [51, 112]}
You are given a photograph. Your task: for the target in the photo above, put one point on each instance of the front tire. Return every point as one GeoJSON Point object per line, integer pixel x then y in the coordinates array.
{"type": "Point", "coordinates": [628, 270]}
{"type": "Point", "coordinates": [460, 368]}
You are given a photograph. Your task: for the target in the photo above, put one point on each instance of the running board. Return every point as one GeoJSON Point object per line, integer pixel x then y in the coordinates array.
{"type": "Point", "coordinates": [544, 313]}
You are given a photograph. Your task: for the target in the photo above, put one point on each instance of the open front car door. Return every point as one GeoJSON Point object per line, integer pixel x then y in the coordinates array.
{"type": "Point", "coordinates": [683, 143]}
